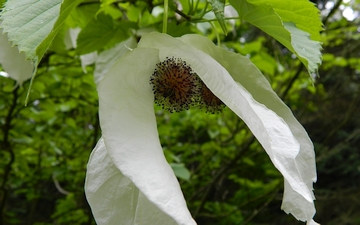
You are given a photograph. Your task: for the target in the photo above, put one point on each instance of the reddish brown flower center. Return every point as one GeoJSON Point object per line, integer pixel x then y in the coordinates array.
{"type": "Point", "coordinates": [177, 87]}
{"type": "Point", "coordinates": [209, 101]}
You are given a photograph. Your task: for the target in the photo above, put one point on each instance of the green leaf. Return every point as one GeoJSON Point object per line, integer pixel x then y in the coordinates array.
{"type": "Point", "coordinates": [180, 171]}
{"type": "Point", "coordinates": [101, 31]}
{"type": "Point", "coordinates": [107, 6]}
{"type": "Point", "coordinates": [307, 50]}
{"type": "Point", "coordinates": [303, 13]}
{"type": "Point", "coordinates": [66, 8]}
{"type": "Point", "coordinates": [82, 15]}
{"type": "Point", "coordinates": [33, 25]}
{"type": "Point", "coordinates": [218, 9]}
{"type": "Point", "coordinates": [284, 23]}
{"type": "Point", "coordinates": [2, 3]}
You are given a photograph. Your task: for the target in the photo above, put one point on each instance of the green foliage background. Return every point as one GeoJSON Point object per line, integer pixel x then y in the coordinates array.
{"type": "Point", "coordinates": [45, 145]}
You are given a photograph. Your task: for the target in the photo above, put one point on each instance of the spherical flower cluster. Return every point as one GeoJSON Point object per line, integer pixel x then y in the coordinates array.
{"type": "Point", "coordinates": [177, 87]}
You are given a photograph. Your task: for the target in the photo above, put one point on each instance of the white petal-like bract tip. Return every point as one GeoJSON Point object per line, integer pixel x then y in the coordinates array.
{"type": "Point", "coordinates": [13, 61]}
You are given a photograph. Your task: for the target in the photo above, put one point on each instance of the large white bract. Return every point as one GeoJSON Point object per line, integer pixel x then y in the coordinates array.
{"type": "Point", "coordinates": [128, 178]}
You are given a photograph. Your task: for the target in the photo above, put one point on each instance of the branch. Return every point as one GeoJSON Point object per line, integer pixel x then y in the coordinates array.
{"type": "Point", "coordinates": [262, 207]}
{"type": "Point", "coordinates": [95, 137]}
{"type": "Point", "coordinates": [221, 171]}
{"type": "Point", "coordinates": [6, 146]}
{"type": "Point", "coordinates": [332, 12]}
{"type": "Point", "coordinates": [292, 81]}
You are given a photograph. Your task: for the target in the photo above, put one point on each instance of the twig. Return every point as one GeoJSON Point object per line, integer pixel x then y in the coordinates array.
{"type": "Point", "coordinates": [331, 13]}
{"type": "Point", "coordinates": [58, 186]}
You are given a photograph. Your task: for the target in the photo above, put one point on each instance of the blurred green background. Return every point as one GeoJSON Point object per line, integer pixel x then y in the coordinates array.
{"type": "Point", "coordinates": [225, 175]}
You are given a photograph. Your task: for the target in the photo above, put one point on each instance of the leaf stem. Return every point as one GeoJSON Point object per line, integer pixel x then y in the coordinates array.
{"type": "Point", "coordinates": [165, 16]}
{"type": "Point", "coordinates": [217, 33]}
{"type": "Point", "coordinates": [197, 4]}
{"type": "Point", "coordinates": [204, 11]}
{"type": "Point", "coordinates": [191, 6]}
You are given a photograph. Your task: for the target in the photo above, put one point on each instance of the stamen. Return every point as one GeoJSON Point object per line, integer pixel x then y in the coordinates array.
{"type": "Point", "coordinates": [175, 85]}
{"type": "Point", "coordinates": [209, 101]}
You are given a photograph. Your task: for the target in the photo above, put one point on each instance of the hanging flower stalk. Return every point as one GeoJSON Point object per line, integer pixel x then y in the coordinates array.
{"type": "Point", "coordinates": [128, 177]}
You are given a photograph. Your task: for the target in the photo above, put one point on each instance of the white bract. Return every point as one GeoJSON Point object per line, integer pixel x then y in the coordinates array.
{"type": "Point", "coordinates": [128, 177]}
{"type": "Point", "coordinates": [13, 61]}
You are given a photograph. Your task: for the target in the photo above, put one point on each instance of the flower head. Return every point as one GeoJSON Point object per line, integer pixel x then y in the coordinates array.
{"type": "Point", "coordinates": [209, 101]}
{"type": "Point", "coordinates": [128, 177]}
{"type": "Point", "coordinates": [175, 84]}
